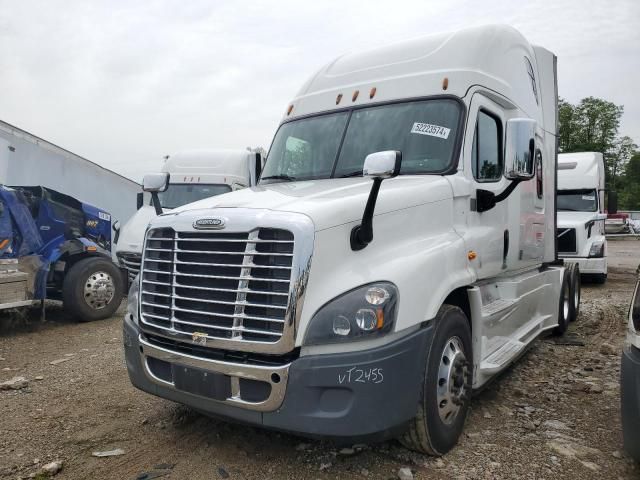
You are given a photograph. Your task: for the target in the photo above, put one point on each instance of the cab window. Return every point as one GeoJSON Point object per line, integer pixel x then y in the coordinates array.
{"type": "Point", "coordinates": [486, 155]}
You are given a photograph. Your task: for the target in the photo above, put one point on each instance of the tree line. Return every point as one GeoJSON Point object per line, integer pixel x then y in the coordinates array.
{"type": "Point", "coordinates": [592, 126]}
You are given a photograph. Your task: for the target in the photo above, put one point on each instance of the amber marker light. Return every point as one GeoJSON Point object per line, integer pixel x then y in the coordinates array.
{"type": "Point", "coordinates": [372, 92]}
{"type": "Point", "coordinates": [445, 83]}
{"type": "Point", "coordinates": [472, 255]}
{"type": "Point", "coordinates": [355, 95]}
{"type": "Point", "coordinates": [290, 109]}
{"type": "Point", "coordinates": [380, 317]}
{"type": "Point", "coordinates": [338, 98]}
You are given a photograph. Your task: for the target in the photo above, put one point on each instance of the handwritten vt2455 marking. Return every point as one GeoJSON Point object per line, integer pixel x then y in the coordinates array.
{"type": "Point", "coordinates": [361, 375]}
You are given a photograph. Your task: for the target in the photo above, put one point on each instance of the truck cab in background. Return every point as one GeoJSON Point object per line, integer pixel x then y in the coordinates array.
{"type": "Point", "coordinates": [193, 175]}
{"type": "Point", "coordinates": [581, 213]}
{"type": "Point", "coordinates": [398, 253]}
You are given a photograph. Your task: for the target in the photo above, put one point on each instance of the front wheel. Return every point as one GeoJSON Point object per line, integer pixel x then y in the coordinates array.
{"type": "Point", "coordinates": [446, 389]}
{"type": "Point", "coordinates": [92, 289]}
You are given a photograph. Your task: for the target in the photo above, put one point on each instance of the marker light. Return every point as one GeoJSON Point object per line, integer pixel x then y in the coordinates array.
{"type": "Point", "coordinates": [372, 92]}
{"type": "Point", "coordinates": [290, 109]}
{"type": "Point", "coordinates": [366, 319]}
{"type": "Point", "coordinates": [341, 326]}
{"type": "Point", "coordinates": [376, 295]}
{"type": "Point", "coordinates": [445, 83]}
{"type": "Point", "coordinates": [338, 98]}
{"type": "Point", "coordinates": [355, 95]}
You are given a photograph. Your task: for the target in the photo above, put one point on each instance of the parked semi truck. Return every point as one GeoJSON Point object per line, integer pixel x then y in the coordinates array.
{"type": "Point", "coordinates": [53, 246]}
{"type": "Point", "coordinates": [193, 175]}
{"type": "Point", "coordinates": [398, 252]}
{"type": "Point", "coordinates": [581, 213]}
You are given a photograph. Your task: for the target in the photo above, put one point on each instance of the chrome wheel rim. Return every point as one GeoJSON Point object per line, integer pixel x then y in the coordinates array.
{"type": "Point", "coordinates": [99, 290]}
{"type": "Point", "coordinates": [452, 375]}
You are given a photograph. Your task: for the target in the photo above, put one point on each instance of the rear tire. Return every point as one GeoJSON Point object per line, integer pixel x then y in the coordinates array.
{"type": "Point", "coordinates": [564, 305]}
{"type": "Point", "coordinates": [92, 289]}
{"type": "Point", "coordinates": [575, 285]}
{"type": "Point", "coordinates": [446, 388]}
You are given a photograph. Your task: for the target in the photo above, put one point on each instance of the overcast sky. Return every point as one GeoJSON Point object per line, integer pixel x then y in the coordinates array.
{"type": "Point", "coordinates": [124, 83]}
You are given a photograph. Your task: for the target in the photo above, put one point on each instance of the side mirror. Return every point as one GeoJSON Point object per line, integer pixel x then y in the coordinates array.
{"type": "Point", "coordinates": [258, 167]}
{"type": "Point", "coordinates": [520, 149]}
{"type": "Point", "coordinates": [139, 200]}
{"type": "Point", "coordinates": [155, 182]}
{"type": "Point", "coordinates": [612, 202]}
{"type": "Point", "coordinates": [382, 164]}
{"type": "Point", "coordinates": [116, 231]}
{"type": "Point", "coordinates": [378, 165]}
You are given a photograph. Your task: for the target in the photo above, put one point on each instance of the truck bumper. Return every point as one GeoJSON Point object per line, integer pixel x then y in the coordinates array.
{"type": "Point", "coordinates": [630, 400]}
{"type": "Point", "coordinates": [363, 395]}
{"type": "Point", "coordinates": [589, 265]}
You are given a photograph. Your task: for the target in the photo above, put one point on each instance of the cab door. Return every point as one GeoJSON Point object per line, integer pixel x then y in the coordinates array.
{"type": "Point", "coordinates": [488, 234]}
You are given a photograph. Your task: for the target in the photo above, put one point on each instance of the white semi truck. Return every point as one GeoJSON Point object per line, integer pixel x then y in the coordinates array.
{"type": "Point", "coordinates": [398, 252]}
{"type": "Point", "coordinates": [193, 175]}
{"type": "Point", "coordinates": [581, 213]}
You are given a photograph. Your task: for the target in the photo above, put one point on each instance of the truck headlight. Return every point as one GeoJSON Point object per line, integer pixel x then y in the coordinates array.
{"type": "Point", "coordinates": [132, 299]}
{"type": "Point", "coordinates": [360, 314]}
{"type": "Point", "coordinates": [597, 249]}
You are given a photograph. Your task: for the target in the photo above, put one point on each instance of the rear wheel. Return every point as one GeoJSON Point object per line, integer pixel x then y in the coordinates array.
{"type": "Point", "coordinates": [573, 271]}
{"type": "Point", "coordinates": [564, 307]}
{"type": "Point", "coordinates": [92, 289]}
{"type": "Point", "coordinates": [446, 389]}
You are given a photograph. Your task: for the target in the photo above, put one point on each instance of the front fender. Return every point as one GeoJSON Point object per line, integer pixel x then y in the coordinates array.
{"type": "Point", "coordinates": [416, 248]}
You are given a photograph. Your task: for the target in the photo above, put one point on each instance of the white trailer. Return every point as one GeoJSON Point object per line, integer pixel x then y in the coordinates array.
{"type": "Point", "coordinates": [29, 160]}
{"type": "Point", "coordinates": [398, 252]}
{"type": "Point", "coordinates": [193, 175]}
{"type": "Point", "coordinates": [581, 212]}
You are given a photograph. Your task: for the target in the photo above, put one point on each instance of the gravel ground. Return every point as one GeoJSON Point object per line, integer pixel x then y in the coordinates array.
{"type": "Point", "coordinates": [554, 415]}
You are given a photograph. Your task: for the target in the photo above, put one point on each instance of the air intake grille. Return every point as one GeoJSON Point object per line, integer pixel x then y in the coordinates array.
{"type": "Point", "coordinates": [566, 240]}
{"type": "Point", "coordinates": [212, 285]}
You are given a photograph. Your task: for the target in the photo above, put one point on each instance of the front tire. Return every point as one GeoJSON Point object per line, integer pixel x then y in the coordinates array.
{"type": "Point", "coordinates": [446, 389]}
{"type": "Point", "coordinates": [92, 289]}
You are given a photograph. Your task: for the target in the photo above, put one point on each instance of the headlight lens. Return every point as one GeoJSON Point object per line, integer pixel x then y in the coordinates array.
{"type": "Point", "coordinates": [132, 299]}
{"type": "Point", "coordinates": [360, 314]}
{"type": "Point", "coordinates": [597, 249]}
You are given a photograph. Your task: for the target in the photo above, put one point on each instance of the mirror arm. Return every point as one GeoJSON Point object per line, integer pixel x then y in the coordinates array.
{"type": "Point", "coordinates": [156, 203]}
{"type": "Point", "coordinates": [361, 235]}
{"type": "Point", "coordinates": [486, 200]}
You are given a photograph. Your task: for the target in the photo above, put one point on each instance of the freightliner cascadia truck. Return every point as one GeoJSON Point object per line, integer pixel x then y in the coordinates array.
{"type": "Point", "coordinates": [398, 252]}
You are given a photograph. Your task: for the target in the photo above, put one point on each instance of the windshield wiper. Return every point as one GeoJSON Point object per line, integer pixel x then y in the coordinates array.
{"type": "Point", "coordinates": [357, 173]}
{"type": "Point", "coordinates": [286, 178]}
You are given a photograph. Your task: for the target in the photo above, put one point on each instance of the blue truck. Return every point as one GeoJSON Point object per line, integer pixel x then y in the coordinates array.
{"type": "Point", "coordinates": [52, 246]}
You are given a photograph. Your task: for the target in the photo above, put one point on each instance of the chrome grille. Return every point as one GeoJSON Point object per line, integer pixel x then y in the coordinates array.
{"type": "Point", "coordinates": [130, 261]}
{"type": "Point", "coordinates": [213, 285]}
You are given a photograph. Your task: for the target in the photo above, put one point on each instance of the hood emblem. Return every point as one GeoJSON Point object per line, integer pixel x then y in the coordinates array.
{"type": "Point", "coordinates": [215, 223]}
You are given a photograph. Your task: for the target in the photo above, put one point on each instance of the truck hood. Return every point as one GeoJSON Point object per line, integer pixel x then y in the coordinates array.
{"type": "Point", "coordinates": [132, 233]}
{"type": "Point", "coordinates": [577, 219]}
{"type": "Point", "coordinates": [331, 202]}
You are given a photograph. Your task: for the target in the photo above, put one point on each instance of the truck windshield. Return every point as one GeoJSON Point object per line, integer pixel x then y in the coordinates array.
{"type": "Point", "coordinates": [179, 194]}
{"type": "Point", "coordinates": [336, 144]}
{"type": "Point", "coordinates": [578, 200]}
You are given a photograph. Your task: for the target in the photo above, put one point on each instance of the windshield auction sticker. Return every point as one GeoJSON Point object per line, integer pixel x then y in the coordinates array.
{"type": "Point", "coordinates": [431, 130]}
